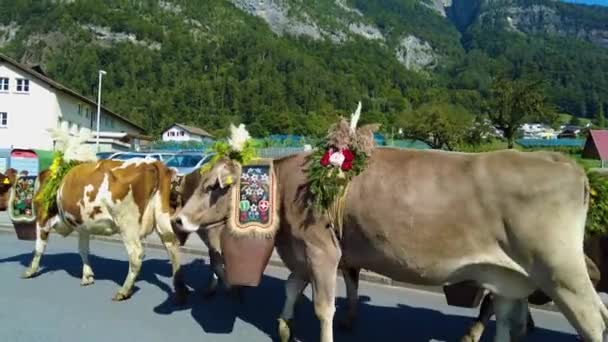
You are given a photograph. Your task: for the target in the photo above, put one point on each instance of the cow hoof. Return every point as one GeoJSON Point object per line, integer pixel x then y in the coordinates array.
{"type": "Point", "coordinates": [468, 338]}
{"type": "Point", "coordinates": [29, 273]}
{"type": "Point", "coordinates": [180, 299]}
{"type": "Point", "coordinates": [181, 296]}
{"type": "Point", "coordinates": [120, 296]}
{"type": "Point", "coordinates": [237, 294]}
{"type": "Point", "coordinates": [209, 292]}
{"type": "Point", "coordinates": [346, 324]}
{"type": "Point", "coordinates": [87, 281]}
{"type": "Point", "coordinates": [284, 330]}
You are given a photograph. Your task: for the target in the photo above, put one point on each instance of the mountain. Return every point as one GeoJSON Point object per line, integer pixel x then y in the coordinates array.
{"type": "Point", "coordinates": [291, 66]}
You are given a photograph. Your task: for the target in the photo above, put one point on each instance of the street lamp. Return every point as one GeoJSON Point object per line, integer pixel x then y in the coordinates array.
{"type": "Point", "coordinates": [101, 73]}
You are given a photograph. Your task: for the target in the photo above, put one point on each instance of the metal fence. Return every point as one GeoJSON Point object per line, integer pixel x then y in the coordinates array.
{"type": "Point", "coordinates": [278, 152]}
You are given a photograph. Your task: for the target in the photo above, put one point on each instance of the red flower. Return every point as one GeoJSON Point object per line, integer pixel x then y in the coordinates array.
{"type": "Point", "coordinates": [325, 159]}
{"type": "Point", "coordinates": [347, 165]}
{"type": "Point", "coordinates": [348, 159]}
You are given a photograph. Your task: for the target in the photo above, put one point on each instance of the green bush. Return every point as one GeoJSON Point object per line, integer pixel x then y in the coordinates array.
{"type": "Point", "coordinates": [597, 216]}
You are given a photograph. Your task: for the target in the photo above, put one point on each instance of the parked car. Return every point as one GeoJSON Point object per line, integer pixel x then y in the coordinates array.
{"type": "Point", "coordinates": [104, 155]}
{"type": "Point", "coordinates": [187, 162]}
{"type": "Point", "coordinates": [155, 155]}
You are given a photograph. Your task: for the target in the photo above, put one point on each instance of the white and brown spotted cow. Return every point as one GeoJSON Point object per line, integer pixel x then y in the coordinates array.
{"type": "Point", "coordinates": [107, 197]}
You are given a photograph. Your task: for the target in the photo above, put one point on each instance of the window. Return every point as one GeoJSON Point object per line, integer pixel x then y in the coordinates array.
{"type": "Point", "coordinates": [181, 133]}
{"type": "Point", "coordinates": [3, 120]}
{"type": "Point", "coordinates": [3, 83]}
{"type": "Point", "coordinates": [23, 85]}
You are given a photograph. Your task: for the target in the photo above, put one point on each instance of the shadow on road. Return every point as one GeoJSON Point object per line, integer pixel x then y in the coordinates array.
{"type": "Point", "coordinates": [262, 305]}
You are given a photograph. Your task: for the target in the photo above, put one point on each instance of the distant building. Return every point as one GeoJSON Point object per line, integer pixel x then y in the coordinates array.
{"type": "Point", "coordinates": [538, 131]}
{"type": "Point", "coordinates": [31, 103]}
{"type": "Point", "coordinates": [180, 132]}
{"type": "Point", "coordinates": [596, 146]}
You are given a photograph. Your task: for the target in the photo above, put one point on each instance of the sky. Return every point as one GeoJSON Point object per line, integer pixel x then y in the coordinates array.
{"type": "Point", "coordinates": [591, 2]}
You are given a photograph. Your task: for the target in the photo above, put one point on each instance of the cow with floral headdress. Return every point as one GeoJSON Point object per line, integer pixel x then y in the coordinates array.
{"type": "Point", "coordinates": [499, 219]}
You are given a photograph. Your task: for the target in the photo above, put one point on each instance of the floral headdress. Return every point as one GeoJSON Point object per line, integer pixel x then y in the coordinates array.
{"type": "Point", "coordinates": [342, 156]}
{"type": "Point", "coordinates": [239, 147]}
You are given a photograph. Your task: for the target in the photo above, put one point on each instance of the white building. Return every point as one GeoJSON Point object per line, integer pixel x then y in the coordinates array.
{"type": "Point", "coordinates": [31, 103]}
{"type": "Point", "coordinates": [181, 132]}
{"type": "Point", "coordinates": [538, 131]}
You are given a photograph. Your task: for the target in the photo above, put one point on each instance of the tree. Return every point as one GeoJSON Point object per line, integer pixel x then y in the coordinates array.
{"type": "Point", "coordinates": [441, 125]}
{"type": "Point", "coordinates": [513, 102]}
{"type": "Point", "coordinates": [600, 118]}
{"type": "Point", "coordinates": [574, 121]}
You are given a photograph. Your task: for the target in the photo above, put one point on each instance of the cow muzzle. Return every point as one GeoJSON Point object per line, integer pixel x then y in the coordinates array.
{"type": "Point", "coordinates": [184, 224]}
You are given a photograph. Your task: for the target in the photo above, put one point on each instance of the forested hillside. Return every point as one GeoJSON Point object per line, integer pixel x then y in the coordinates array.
{"type": "Point", "coordinates": [211, 62]}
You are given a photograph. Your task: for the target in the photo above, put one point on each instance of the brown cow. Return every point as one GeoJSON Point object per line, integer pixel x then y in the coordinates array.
{"type": "Point", "coordinates": [510, 221]}
{"type": "Point", "coordinates": [182, 189]}
{"type": "Point", "coordinates": [130, 198]}
{"type": "Point", "coordinates": [6, 181]}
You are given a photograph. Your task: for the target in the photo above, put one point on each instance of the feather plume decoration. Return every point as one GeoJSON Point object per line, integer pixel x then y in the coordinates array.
{"type": "Point", "coordinates": [238, 137]}
{"type": "Point", "coordinates": [354, 119]}
{"type": "Point", "coordinates": [72, 143]}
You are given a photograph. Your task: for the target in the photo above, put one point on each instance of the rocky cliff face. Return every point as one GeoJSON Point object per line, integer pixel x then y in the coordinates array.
{"type": "Point", "coordinates": [535, 17]}
{"type": "Point", "coordinates": [413, 52]}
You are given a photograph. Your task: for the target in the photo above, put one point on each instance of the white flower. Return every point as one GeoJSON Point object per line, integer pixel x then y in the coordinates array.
{"type": "Point", "coordinates": [254, 208]}
{"type": "Point", "coordinates": [264, 178]}
{"type": "Point", "coordinates": [254, 178]}
{"type": "Point", "coordinates": [245, 176]}
{"type": "Point", "coordinates": [336, 159]}
{"type": "Point", "coordinates": [249, 191]}
{"type": "Point", "coordinates": [260, 192]}
{"type": "Point", "coordinates": [254, 186]}
{"type": "Point", "coordinates": [238, 137]}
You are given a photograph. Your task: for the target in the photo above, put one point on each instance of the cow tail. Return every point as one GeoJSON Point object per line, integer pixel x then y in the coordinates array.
{"type": "Point", "coordinates": [163, 186]}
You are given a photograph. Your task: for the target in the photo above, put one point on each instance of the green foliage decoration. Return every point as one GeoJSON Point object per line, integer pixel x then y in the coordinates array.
{"type": "Point", "coordinates": [326, 183]}
{"type": "Point", "coordinates": [47, 196]}
{"type": "Point", "coordinates": [223, 149]}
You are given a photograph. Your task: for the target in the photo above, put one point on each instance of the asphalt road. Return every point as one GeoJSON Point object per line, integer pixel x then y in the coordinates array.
{"type": "Point", "coordinates": [54, 307]}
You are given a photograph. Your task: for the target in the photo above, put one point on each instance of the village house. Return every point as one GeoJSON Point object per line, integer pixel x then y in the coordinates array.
{"type": "Point", "coordinates": [31, 103]}
{"type": "Point", "coordinates": [182, 133]}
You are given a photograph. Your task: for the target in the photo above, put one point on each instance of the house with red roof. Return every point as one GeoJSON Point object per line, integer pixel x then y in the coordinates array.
{"type": "Point", "coordinates": [596, 146]}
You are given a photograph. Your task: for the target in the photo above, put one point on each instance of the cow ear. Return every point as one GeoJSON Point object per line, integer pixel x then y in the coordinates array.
{"type": "Point", "coordinates": [226, 176]}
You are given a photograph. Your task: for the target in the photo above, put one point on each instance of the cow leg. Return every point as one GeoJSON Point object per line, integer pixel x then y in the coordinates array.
{"type": "Point", "coordinates": [324, 262]}
{"type": "Point", "coordinates": [211, 238]}
{"type": "Point", "coordinates": [351, 280]}
{"type": "Point", "coordinates": [294, 286]}
{"type": "Point", "coordinates": [136, 255]}
{"type": "Point", "coordinates": [88, 277]}
{"type": "Point", "coordinates": [171, 243]}
{"type": "Point", "coordinates": [217, 267]}
{"type": "Point", "coordinates": [511, 315]}
{"type": "Point", "coordinates": [577, 300]}
{"type": "Point", "coordinates": [486, 311]}
{"type": "Point", "coordinates": [531, 326]}
{"type": "Point", "coordinates": [42, 236]}
{"type": "Point", "coordinates": [572, 291]}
